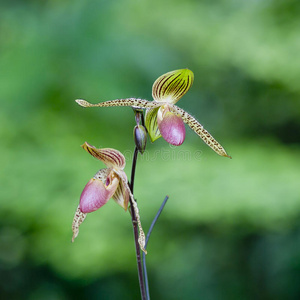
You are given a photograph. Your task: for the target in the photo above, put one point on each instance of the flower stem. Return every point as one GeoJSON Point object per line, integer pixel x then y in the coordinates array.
{"type": "Point", "coordinates": [135, 229]}
{"type": "Point", "coordinates": [134, 160]}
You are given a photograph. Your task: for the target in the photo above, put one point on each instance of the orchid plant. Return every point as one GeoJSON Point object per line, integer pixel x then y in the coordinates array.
{"type": "Point", "coordinates": [162, 119]}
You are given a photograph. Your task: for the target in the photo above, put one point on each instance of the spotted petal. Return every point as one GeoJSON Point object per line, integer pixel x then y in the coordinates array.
{"type": "Point", "coordinates": [111, 157]}
{"type": "Point", "coordinates": [141, 238]}
{"type": "Point", "coordinates": [133, 102]}
{"type": "Point", "coordinates": [198, 128]}
{"type": "Point", "coordinates": [171, 86]}
{"type": "Point", "coordinates": [151, 124]}
{"type": "Point", "coordinates": [79, 217]}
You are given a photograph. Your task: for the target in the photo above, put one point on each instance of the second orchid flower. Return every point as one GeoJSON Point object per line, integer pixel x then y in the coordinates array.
{"type": "Point", "coordinates": [110, 182]}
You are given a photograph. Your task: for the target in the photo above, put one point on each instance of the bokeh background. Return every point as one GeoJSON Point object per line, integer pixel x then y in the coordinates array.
{"type": "Point", "coordinates": [231, 228]}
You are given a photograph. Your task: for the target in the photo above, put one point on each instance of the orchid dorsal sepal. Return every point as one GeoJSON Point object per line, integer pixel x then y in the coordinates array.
{"type": "Point", "coordinates": [170, 87]}
{"type": "Point", "coordinates": [110, 157]}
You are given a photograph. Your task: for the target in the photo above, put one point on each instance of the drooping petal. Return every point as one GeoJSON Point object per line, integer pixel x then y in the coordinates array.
{"type": "Point", "coordinates": [121, 195]}
{"type": "Point", "coordinates": [141, 238]}
{"type": "Point", "coordinates": [79, 217]}
{"type": "Point", "coordinates": [111, 157]}
{"type": "Point", "coordinates": [139, 103]}
{"type": "Point", "coordinates": [151, 124]}
{"type": "Point", "coordinates": [198, 128]}
{"type": "Point", "coordinates": [170, 126]}
{"type": "Point", "coordinates": [171, 86]}
{"type": "Point", "coordinates": [96, 193]}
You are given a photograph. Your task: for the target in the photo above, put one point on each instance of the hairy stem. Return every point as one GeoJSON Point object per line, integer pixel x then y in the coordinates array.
{"type": "Point", "coordinates": [135, 229]}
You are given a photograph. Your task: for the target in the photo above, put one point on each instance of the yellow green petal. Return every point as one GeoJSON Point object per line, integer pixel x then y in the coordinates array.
{"type": "Point", "coordinates": [171, 86]}
{"type": "Point", "coordinates": [151, 124]}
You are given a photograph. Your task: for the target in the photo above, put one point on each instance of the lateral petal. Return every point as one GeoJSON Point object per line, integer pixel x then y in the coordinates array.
{"type": "Point", "coordinates": [170, 87]}
{"type": "Point", "coordinates": [111, 157]}
{"type": "Point", "coordinates": [199, 129]}
{"type": "Point", "coordinates": [134, 102]}
{"type": "Point", "coordinates": [79, 217]}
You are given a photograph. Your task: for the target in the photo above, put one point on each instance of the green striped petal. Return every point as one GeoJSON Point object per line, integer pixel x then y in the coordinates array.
{"type": "Point", "coordinates": [111, 157]}
{"type": "Point", "coordinates": [171, 86]}
{"type": "Point", "coordinates": [151, 124]}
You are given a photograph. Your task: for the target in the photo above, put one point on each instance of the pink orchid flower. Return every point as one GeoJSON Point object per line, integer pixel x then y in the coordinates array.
{"type": "Point", "coordinates": [110, 182]}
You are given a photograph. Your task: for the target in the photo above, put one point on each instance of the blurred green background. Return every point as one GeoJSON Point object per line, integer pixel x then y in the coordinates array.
{"type": "Point", "coordinates": [231, 228]}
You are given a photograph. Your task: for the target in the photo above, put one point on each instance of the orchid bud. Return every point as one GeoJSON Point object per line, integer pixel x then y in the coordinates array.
{"type": "Point", "coordinates": [140, 137]}
{"type": "Point", "coordinates": [170, 126]}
